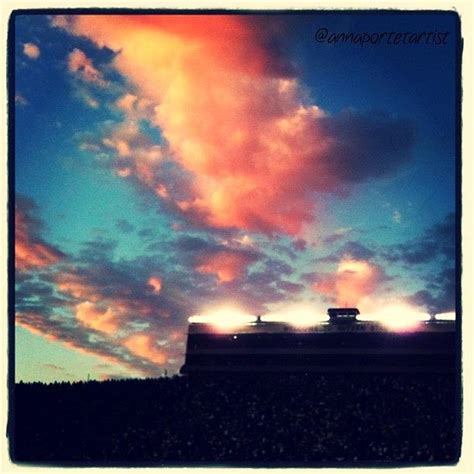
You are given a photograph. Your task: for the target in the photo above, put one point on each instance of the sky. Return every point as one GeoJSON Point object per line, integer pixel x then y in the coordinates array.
{"type": "Point", "coordinates": [172, 165]}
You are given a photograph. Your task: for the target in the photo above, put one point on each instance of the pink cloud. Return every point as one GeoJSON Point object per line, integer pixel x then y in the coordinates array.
{"type": "Point", "coordinates": [80, 64]}
{"type": "Point", "coordinates": [30, 250]}
{"type": "Point", "coordinates": [353, 281]}
{"type": "Point", "coordinates": [73, 283]}
{"type": "Point", "coordinates": [136, 154]}
{"type": "Point", "coordinates": [31, 50]}
{"type": "Point", "coordinates": [156, 283]}
{"type": "Point", "coordinates": [91, 316]}
{"type": "Point", "coordinates": [227, 265]}
{"type": "Point", "coordinates": [234, 120]}
{"type": "Point", "coordinates": [41, 326]}
{"type": "Point", "coordinates": [144, 345]}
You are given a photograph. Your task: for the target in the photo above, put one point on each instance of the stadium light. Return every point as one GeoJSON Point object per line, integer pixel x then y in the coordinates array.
{"type": "Point", "coordinates": [398, 318]}
{"type": "Point", "coordinates": [297, 316]}
{"type": "Point", "coordinates": [451, 316]}
{"type": "Point", "coordinates": [224, 318]}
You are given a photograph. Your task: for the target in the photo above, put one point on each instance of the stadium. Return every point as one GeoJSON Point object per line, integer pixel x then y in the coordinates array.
{"type": "Point", "coordinates": [342, 389]}
{"type": "Point", "coordinates": [342, 341]}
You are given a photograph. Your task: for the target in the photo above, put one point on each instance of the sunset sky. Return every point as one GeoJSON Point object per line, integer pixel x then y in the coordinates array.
{"type": "Point", "coordinates": [170, 165]}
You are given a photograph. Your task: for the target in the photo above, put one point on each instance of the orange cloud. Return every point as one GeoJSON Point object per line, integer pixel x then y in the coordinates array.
{"type": "Point", "coordinates": [230, 116]}
{"type": "Point", "coordinates": [76, 340]}
{"type": "Point", "coordinates": [135, 149]}
{"type": "Point", "coordinates": [33, 329]}
{"type": "Point", "coordinates": [91, 316]}
{"type": "Point", "coordinates": [119, 304]}
{"type": "Point", "coordinates": [144, 345]}
{"type": "Point", "coordinates": [80, 64]}
{"type": "Point", "coordinates": [30, 250]}
{"type": "Point", "coordinates": [155, 283]}
{"type": "Point", "coordinates": [227, 265]}
{"type": "Point", "coordinates": [353, 281]}
{"type": "Point", "coordinates": [31, 50]}
{"type": "Point", "coordinates": [236, 121]}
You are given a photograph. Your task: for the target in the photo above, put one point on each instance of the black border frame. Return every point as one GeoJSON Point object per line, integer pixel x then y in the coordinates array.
{"type": "Point", "coordinates": [10, 429]}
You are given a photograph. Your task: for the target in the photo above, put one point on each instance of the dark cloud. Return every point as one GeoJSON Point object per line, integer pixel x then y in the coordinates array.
{"type": "Point", "coordinates": [336, 236]}
{"type": "Point", "coordinates": [146, 233]}
{"type": "Point", "coordinates": [124, 226]}
{"type": "Point", "coordinates": [440, 294]}
{"type": "Point", "coordinates": [31, 251]}
{"type": "Point", "coordinates": [367, 145]}
{"type": "Point", "coordinates": [299, 245]}
{"type": "Point", "coordinates": [357, 251]}
{"type": "Point", "coordinates": [99, 249]}
{"type": "Point", "coordinates": [192, 244]}
{"type": "Point", "coordinates": [432, 259]}
{"type": "Point", "coordinates": [436, 242]}
{"type": "Point", "coordinates": [290, 287]}
{"type": "Point", "coordinates": [350, 249]}
{"type": "Point", "coordinates": [284, 249]}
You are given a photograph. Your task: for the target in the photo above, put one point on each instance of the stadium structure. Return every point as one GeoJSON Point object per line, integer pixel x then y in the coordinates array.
{"type": "Point", "coordinates": [341, 341]}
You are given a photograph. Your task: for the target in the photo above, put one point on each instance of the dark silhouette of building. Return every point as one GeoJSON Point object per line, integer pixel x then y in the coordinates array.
{"type": "Point", "coordinates": [341, 343]}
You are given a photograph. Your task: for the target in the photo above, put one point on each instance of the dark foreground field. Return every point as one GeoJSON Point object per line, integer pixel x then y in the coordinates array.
{"type": "Point", "coordinates": [262, 420]}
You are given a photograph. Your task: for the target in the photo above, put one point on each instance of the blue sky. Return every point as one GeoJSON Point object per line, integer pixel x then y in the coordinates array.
{"type": "Point", "coordinates": [169, 165]}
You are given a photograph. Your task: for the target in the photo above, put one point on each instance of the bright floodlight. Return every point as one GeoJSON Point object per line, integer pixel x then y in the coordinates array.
{"type": "Point", "coordinates": [451, 316]}
{"type": "Point", "coordinates": [397, 318]}
{"type": "Point", "coordinates": [297, 316]}
{"type": "Point", "coordinates": [224, 318]}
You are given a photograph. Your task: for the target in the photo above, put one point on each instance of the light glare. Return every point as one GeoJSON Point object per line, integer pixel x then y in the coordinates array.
{"type": "Point", "coordinates": [224, 318]}
{"type": "Point", "coordinates": [396, 318]}
{"type": "Point", "coordinates": [451, 316]}
{"type": "Point", "coordinates": [297, 316]}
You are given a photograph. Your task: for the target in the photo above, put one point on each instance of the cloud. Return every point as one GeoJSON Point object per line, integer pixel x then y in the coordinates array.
{"type": "Point", "coordinates": [227, 265]}
{"type": "Point", "coordinates": [84, 95]}
{"type": "Point", "coordinates": [90, 315]}
{"type": "Point", "coordinates": [397, 216]}
{"type": "Point", "coordinates": [429, 259]}
{"type": "Point", "coordinates": [440, 297]}
{"type": "Point", "coordinates": [436, 242]}
{"type": "Point", "coordinates": [104, 309]}
{"type": "Point", "coordinates": [156, 283]}
{"type": "Point", "coordinates": [91, 304]}
{"type": "Point", "coordinates": [191, 244]}
{"type": "Point", "coordinates": [136, 155]}
{"type": "Point", "coordinates": [337, 235]}
{"type": "Point", "coordinates": [236, 120]}
{"type": "Point", "coordinates": [31, 50]}
{"type": "Point", "coordinates": [72, 337]}
{"type": "Point", "coordinates": [143, 345]}
{"type": "Point", "coordinates": [299, 245]}
{"type": "Point", "coordinates": [20, 100]}
{"type": "Point", "coordinates": [350, 250]}
{"type": "Point", "coordinates": [124, 226]}
{"type": "Point", "coordinates": [80, 64]}
{"type": "Point", "coordinates": [31, 251]}
{"type": "Point", "coordinates": [353, 281]}
{"type": "Point", "coordinates": [97, 304]}
{"type": "Point", "coordinates": [366, 145]}
{"type": "Point", "coordinates": [432, 259]}
{"type": "Point", "coordinates": [53, 367]}
{"type": "Point", "coordinates": [136, 108]}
